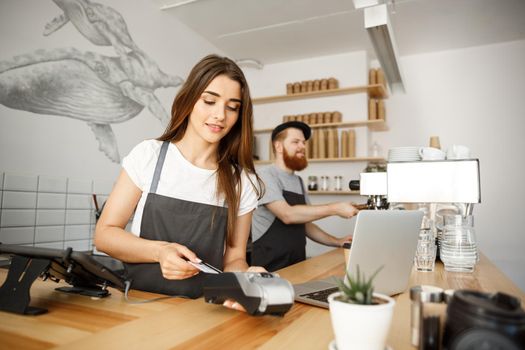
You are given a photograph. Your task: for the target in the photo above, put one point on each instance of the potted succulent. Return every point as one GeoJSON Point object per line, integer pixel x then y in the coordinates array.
{"type": "Point", "coordinates": [360, 318]}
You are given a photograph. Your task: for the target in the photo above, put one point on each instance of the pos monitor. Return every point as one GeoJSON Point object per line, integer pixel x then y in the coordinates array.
{"type": "Point", "coordinates": [86, 275]}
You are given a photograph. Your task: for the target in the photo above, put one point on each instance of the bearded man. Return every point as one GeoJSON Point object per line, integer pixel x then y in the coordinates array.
{"type": "Point", "coordinates": [283, 218]}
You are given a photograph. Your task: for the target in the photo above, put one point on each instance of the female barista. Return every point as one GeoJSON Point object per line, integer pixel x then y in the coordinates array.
{"type": "Point", "coordinates": [193, 189]}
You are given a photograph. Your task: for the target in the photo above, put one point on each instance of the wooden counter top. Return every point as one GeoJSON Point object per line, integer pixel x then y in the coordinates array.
{"type": "Point", "coordinates": [79, 322]}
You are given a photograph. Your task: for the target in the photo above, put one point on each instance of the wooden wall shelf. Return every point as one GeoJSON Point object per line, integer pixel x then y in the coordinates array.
{"type": "Point", "coordinates": [327, 160]}
{"type": "Point", "coordinates": [376, 91]}
{"type": "Point", "coordinates": [347, 193]}
{"type": "Point", "coordinates": [374, 125]}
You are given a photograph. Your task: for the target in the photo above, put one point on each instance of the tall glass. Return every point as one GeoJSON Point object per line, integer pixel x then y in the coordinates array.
{"type": "Point", "coordinates": [458, 249]}
{"type": "Point", "coordinates": [425, 257]}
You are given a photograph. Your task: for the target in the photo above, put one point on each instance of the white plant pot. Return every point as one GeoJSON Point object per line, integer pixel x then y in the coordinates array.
{"type": "Point", "coordinates": [363, 327]}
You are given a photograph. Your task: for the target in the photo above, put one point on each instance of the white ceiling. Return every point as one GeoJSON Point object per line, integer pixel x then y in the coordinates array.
{"type": "Point", "coordinates": [274, 31]}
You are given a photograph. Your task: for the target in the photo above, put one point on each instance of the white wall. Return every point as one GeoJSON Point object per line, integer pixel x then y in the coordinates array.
{"type": "Point", "coordinates": [473, 97]}
{"type": "Point", "coordinates": [51, 145]}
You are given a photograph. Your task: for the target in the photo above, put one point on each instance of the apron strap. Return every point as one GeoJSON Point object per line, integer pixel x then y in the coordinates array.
{"type": "Point", "coordinates": [158, 167]}
{"type": "Point", "coordinates": [302, 185]}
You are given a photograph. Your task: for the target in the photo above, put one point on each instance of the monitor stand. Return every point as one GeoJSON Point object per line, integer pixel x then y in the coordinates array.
{"type": "Point", "coordinates": [14, 293]}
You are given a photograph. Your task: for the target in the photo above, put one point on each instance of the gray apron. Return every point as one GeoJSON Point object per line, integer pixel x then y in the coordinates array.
{"type": "Point", "coordinates": [200, 227]}
{"type": "Point", "coordinates": [281, 245]}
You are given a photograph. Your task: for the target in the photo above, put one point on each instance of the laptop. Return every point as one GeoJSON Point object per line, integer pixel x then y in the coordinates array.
{"type": "Point", "coordinates": [386, 238]}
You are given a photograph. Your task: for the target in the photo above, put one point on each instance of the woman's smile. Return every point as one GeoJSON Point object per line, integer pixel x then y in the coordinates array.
{"type": "Point", "coordinates": [216, 128]}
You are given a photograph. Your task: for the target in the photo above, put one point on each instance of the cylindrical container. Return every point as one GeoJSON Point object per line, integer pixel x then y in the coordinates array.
{"type": "Point", "coordinates": [317, 85]}
{"type": "Point", "coordinates": [312, 183]}
{"type": "Point", "coordinates": [304, 86]}
{"type": "Point", "coordinates": [332, 135]}
{"type": "Point", "coordinates": [458, 249]}
{"type": "Point", "coordinates": [381, 113]}
{"type": "Point", "coordinates": [312, 118]}
{"type": "Point", "coordinates": [351, 143]}
{"type": "Point", "coordinates": [309, 85]}
{"type": "Point", "coordinates": [372, 76]}
{"type": "Point", "coordinates": [327, 117]}
{"type": "Point", "coordinates": [434, 142]}
{"type": "Point", "coordinates": [336, 143]}
{"type": "Point", "coordinates": [296, 88]}
{"type": "Point", "coordinates": [337, 117]}
{"type": "Point", "coordinates": [344, 144]}
{"type": "Point", "coordinates": [325, 183]}
{"type": "Point", "coordinates": [315, 142]}
{"type": "Point", "coordinates": [321, 152]}
{"type": "Point", "coordinates": [418, 296]}
{"type": "Point", "coordinates": [333, 83]}
{"type": "Point", "coordinates": [425, 257]}
{"type": "Point", "coordinates": [324, 84]}
{"type": "Point", "coordinates": [354, 185]}
{"type": "Point", "coordinates": [289, 88]}
{"type": "Point", "coordinates": [306, 118]}
{"type": "Point", "coordinates": [381, 77]}
{"type": "Point", "coordinates": [338, 183]}
{"type": "Point", "coordinates": [372, 109]}
{"type": "Point", "coordinates": [319, 118]}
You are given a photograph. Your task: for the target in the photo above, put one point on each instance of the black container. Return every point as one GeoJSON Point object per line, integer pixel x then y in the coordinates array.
{"type": "Point", "coordinates": [354, 185]}
{"type": "Point", "coordinates": [477, 320]}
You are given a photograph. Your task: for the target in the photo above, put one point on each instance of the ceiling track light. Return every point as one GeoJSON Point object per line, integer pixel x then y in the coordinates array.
{"type": "Point", "coordinates": [379, 29]}
{"type": "Point", "coordinates": [176, 3]}
{"type": "Point", "coordinates": [249, 63]}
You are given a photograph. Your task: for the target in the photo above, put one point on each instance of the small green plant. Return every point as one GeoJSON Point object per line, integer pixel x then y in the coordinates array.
{"type": "Point", "coordinates": [359, 290]}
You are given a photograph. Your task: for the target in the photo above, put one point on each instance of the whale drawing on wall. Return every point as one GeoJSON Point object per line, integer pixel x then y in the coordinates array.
{"type": "Point", "coordinates": [85, 85]}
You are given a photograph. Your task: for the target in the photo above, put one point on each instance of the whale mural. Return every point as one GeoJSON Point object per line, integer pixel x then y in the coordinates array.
{"type": "Point", "coordinates": [86, 85]}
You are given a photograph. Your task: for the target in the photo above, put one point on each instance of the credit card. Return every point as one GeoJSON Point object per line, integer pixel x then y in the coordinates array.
{"type": "Point", "coordinates": [205, 267]}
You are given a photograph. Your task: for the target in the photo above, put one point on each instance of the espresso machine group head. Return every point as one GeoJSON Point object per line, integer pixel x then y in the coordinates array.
{"type": "Point", "coordinates": [372, 185]}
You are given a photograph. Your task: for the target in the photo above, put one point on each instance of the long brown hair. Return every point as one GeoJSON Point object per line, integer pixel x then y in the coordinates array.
{"type": "Point", "coordinates": [235, 149]}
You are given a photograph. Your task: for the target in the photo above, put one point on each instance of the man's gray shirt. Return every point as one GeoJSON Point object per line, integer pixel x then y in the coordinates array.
{"type": "Point", "coordinates": [275, 181]}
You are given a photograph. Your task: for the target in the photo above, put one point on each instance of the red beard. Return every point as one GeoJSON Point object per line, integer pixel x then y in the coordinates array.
{"type": "Point", "coordinates": [293, 162]}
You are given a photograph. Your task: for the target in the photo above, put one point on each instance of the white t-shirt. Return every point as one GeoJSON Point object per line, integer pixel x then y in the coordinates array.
{"type": "Point", "coordinates": [179, 179]}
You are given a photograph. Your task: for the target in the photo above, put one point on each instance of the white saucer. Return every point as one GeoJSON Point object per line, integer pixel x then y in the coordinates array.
{"type": "Point", "coordinates": [333, 346]}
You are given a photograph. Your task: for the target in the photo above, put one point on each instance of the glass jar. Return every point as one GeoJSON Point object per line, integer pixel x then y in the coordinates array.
{"type": "Point", "coordinates": [312, 183]}
{"type": "Point", "coordinates": [338, 180]}
{"type": "Point", "coordinates": [324, 183]}
{"type": "Point", "coordinates": [458, 246]}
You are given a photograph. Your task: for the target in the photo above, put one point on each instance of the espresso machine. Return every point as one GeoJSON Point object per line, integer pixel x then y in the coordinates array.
{"type": "Point", "coordinates": [454, 182]}
{"type": "Point", "coordinates": [437, 181]}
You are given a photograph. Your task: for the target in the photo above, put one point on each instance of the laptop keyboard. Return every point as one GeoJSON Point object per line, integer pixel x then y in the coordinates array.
{"type": "Point", "coordinates": [321, 295]}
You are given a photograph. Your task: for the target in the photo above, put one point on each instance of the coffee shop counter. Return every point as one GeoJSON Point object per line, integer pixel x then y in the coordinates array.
{"type": "Point", "coordinates": [79, 322]}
